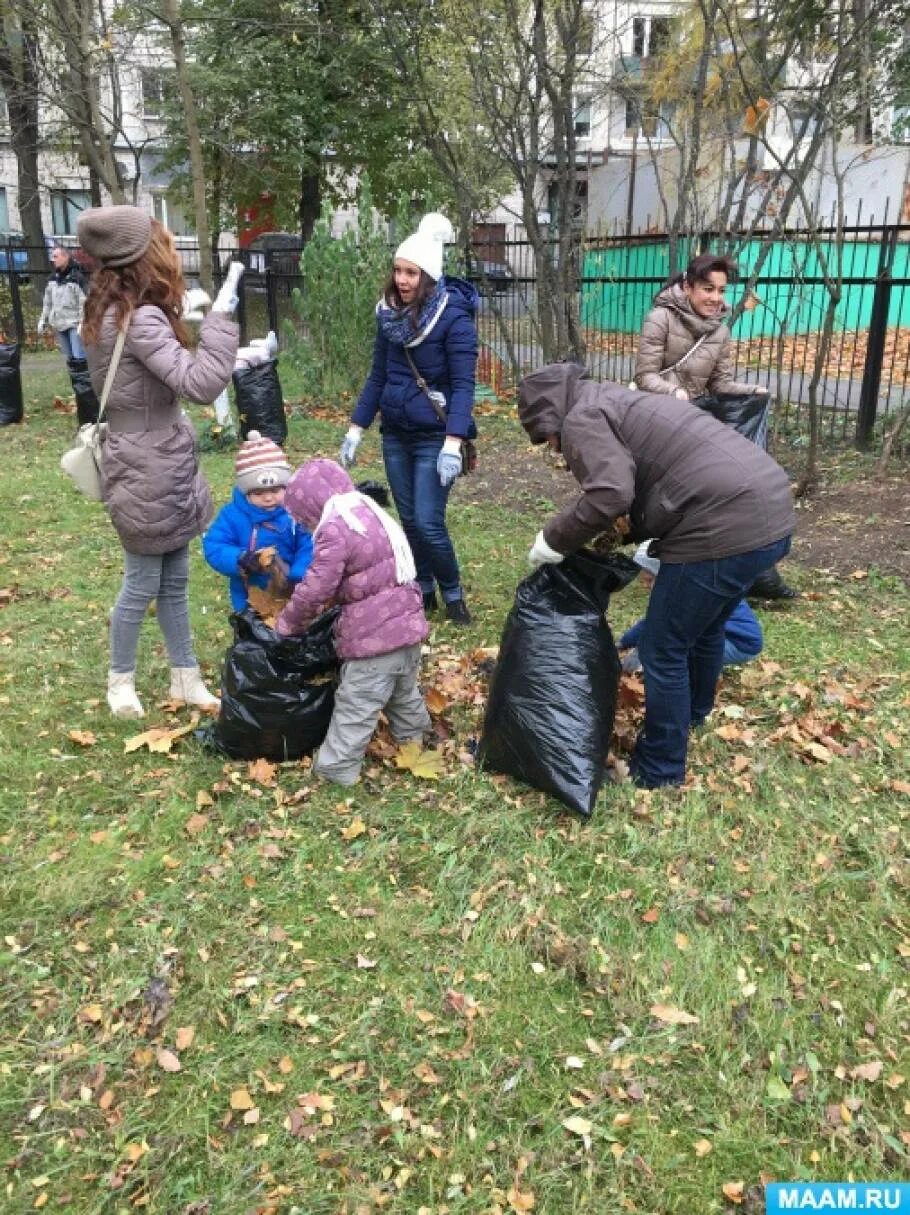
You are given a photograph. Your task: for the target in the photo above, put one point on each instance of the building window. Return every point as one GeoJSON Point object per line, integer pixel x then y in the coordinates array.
{"type": "Point", "coordinates": [584, 44]}
{"type": "Point", "coordinates": [4, 210]}
{"type": "Point", "coordinates": [66, 207]}
{"type": "Point", "coordinates": [647, 125]}
{"type": "Point", "coordinates": [156, 85]}
{"type": "Point", "coordinates": [900, 124]}
{"type": "Point", "coordinates": [650, 36]}
{"type": "Point", "coordinates": [170, 213]}
{"type": "Point", "coordinates": [583, 116]}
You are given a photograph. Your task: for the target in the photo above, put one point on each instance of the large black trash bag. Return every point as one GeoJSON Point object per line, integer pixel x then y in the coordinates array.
{"type": "Point", "coordinates": [86, 401]}
{"type": "Point", "coordinates": [10, 384]}
{"type": "Point", "coordinates": [552, 701]}
{"type": "Point", "coordinates": [260, 401]}
{"type": "Point", "coordinates": [748, 413]}
{"type": "Point", "coordinates": [277, 693]}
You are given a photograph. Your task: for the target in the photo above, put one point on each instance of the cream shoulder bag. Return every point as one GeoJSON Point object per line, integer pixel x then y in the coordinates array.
{"type": "Point", "coordinates": [83, 460]}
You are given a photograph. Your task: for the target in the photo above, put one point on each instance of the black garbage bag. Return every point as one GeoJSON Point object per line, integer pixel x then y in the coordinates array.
{"type": "Point", "coordinates": [277, 693]}
{"type": "Point", "coordinates": [86, 401]}
{"type": "Point", "coordinates": [10, 384]}
{"type": "Point", "coordinates": [260, 401]}
{"type": "Point", "coordinates": [748, 413]}
{"type": "Point", "coordinates": [549, 716]}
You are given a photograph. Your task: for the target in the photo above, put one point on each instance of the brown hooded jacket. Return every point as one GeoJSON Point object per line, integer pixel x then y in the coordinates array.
{"type": "Point", "coordinates": [698, 487]}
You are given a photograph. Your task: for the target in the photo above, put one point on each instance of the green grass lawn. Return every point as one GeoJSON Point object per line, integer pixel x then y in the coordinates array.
{"type": "Point", "coordinates": [226, 990]}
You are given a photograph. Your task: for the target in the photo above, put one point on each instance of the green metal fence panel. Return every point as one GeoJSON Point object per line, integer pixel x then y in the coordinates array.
{"type": "Point", "coordinates": [619, 285]}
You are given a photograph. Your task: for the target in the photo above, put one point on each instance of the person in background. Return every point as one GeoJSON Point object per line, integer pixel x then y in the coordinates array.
{"type": "Point", "coordinates": [720, 510]}
{"type": "Point", "coordinates": [684, 352]}
{"type": "Point", "coordinates": [64, 300]}
{"type": "Point", "coordinates": [254, 519]}
{"type": "Point", "coordinates": [743, 638]}
{"type": "Point", "coordinates": [363, 563]}
{"type": "Point", "coordinates": [425, 332]}
{"type": "Point", "coordinates": [152, 486]}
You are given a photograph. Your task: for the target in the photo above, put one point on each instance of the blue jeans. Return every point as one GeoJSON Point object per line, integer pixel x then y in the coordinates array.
{"type": "Point", "coordinates": [70, 344]}
{"type": "Point", "coordinates": [682, 653]}
{"type": "Point", "coordinates": [410, 465]}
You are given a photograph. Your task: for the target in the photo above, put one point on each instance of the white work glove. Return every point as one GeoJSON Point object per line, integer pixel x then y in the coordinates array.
{"type": "Point", "coordinates": [194, 301]}
{"type": "Point", "coordinates": [349, 445]}
{"type": "Point", "coordinates": [541, 553]}
{"type": "Point", "coordinates": [41, 327]}
{"type": "Point", "coordinates": [448, 464]}
{"type": "Point", "coordinates": [681, 394]}
{"type": "Point", "coordinates": [226, 300]}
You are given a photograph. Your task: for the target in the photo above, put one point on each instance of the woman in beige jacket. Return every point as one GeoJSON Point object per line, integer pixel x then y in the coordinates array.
{"type": "Point", "coordinates": [684, 351]}
{"type": "Point", "coordinates": [152, 487]}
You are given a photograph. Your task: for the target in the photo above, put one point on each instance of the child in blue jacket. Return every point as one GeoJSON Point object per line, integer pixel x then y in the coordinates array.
{"type": "Point", "coordinates": [743, 638]}
{"type": "Point", "coordinates": [255, 519]}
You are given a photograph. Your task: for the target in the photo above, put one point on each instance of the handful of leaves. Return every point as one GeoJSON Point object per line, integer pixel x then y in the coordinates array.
{"type": "Point", "coordinates": [268, 601]}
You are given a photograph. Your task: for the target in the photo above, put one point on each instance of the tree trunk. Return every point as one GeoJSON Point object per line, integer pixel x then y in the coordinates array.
{"type": "Point", "coordinates": [17, 78]}
{"type": "Point", "coordinates": [194, 144]}
{"type": "Point", "coordinates": [310, 203]}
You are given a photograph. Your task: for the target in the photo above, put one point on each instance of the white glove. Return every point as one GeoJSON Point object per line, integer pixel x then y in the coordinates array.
{"type": "Point", "coordinates": [349, 445]}
{"type": "Point", "coordinates": [226, 300]}
{"type": "Point", "coordinates": [193, 302]}
{"type": "Point", "coordinates": [41, 327]}
{"type": "Point", "coordinates": [681, 394]}
{"type": "Point", "coordinates": [448, 463]}
{"type": "Point", "coordinates": [541, 553]}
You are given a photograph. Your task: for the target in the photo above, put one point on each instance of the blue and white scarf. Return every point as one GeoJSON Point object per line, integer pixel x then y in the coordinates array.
{"type": "Point", "coordinates": [398, 326]}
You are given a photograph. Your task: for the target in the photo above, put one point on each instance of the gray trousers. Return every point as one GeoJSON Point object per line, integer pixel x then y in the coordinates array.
{"type": "Point", "coordinates": [369, 686]}
{"type": "Point", "coordinates": [148, 577]}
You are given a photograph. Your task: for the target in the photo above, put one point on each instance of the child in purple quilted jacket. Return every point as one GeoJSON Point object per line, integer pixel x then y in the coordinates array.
{"type": "Point", "coordinates": [362, 562]}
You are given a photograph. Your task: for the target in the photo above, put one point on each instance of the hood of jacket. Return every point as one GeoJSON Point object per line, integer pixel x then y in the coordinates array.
{"type": "Point", "coordinates": [463, 295]}
{"type": "Point", "coordinates": [546, 396]}
{"type": "Point", "coordinates": [255, 514]}
{"type": "Point", "coordinates": [675, 298]}
{"type": "Point", "coordinates": [311, 487]}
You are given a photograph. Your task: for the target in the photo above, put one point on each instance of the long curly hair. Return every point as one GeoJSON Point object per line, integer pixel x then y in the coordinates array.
{"type": "Point", "coordinates": [155, 278]}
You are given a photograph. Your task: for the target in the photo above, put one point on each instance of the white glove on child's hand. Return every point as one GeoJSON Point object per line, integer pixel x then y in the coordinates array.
{"type": "Point", "coordinates": [349, 445]}
{"type": "Point", "coordinates": [448, 463]}
{"type": "Point", "coordinates": [542, 554]}
{"type": "Point", "coordinates": [226, 300]}
{"type": "Point", "coordinates": [194, 301]}
{"type": "Point", "coordinates": [681, 394]}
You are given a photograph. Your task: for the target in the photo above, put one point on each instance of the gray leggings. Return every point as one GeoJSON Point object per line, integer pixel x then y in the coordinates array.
{"type": "Point", "coordinates": [148, 577]}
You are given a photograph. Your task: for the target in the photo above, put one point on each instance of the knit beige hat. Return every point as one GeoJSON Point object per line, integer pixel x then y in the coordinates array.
{"type": "Point", "coordinates": [260, 464]}
{"type": "Point", "coordinates": [115, 236]}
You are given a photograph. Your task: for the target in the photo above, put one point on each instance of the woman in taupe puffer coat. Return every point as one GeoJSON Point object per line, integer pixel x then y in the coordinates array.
{"type": "Point", "coordinates": [152, 486]}
{"type": "Point", "coordinates": [684, 351]}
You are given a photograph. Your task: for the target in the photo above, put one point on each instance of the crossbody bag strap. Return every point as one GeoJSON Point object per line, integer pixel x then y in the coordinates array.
{"type": "Point", "coordinates": [425, 388]}
{"type": "Point", "coordinates": [685, 358]}
{"type": "Point", "coordinates": [111, 372]}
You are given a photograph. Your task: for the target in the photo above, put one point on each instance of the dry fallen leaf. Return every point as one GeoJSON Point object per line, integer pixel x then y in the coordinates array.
{"type": "Point", "coordinates": [702, 1147]}
{"type": "Point", "coordinates": [159, 740]}
{"type": "Point", "coordinates": [185, 1036]}
{"type": "Point", "coordinates": [578, 1125]}
{"type": "Point", "coordinates": [241, 1100]}
{"type": "Point", "coordinates": [733, 1190]}
{"type": "Point", "coordinates": [85, 738]}
{"type": "Point", "coordinates": [195, 824]}
{"type": "Point", "coordinates": [868, 1071]}
{"type": "Point", "coordinates": [264, 773]}
{"type": "Point", "coordinates": [425, 764]}
{"type": "Point", "coordinates": [672, 1016]}
{"type": "Point", "coordinates": [351, 832]}
{"type": "Point", "coordinates": [167, 1060]}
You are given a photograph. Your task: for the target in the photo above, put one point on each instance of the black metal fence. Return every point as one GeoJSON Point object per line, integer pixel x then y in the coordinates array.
{"type": "Point", "coordinates": [861, 377]}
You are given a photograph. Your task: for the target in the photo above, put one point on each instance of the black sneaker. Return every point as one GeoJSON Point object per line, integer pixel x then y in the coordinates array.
{"type": "Point", "coordinates": [457, 612]}
{"type": "Point", "coordinates": [430, 603]}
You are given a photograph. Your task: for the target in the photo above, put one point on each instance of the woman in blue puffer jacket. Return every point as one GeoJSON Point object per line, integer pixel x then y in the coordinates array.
{"type": "Point", "coordinates": [425, 331]}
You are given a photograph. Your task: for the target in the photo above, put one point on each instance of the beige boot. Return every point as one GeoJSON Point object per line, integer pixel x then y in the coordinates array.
{"type": "Point", "coordinates": [121, 694]}
{"type": "Point", "coordinates": [187, 685]}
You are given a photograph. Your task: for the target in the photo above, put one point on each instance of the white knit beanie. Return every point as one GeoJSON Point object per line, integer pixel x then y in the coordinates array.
{"type": "Point", "coordinates": [260, 464]}
{"type": "Point", "coordinates": [651, 565]}
{"type": "Point", "coordinates": [425, 246]}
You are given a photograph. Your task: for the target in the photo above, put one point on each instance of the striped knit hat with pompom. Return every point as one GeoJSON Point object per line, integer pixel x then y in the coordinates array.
{"type": "Point", "coordinates": [261, 464]}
